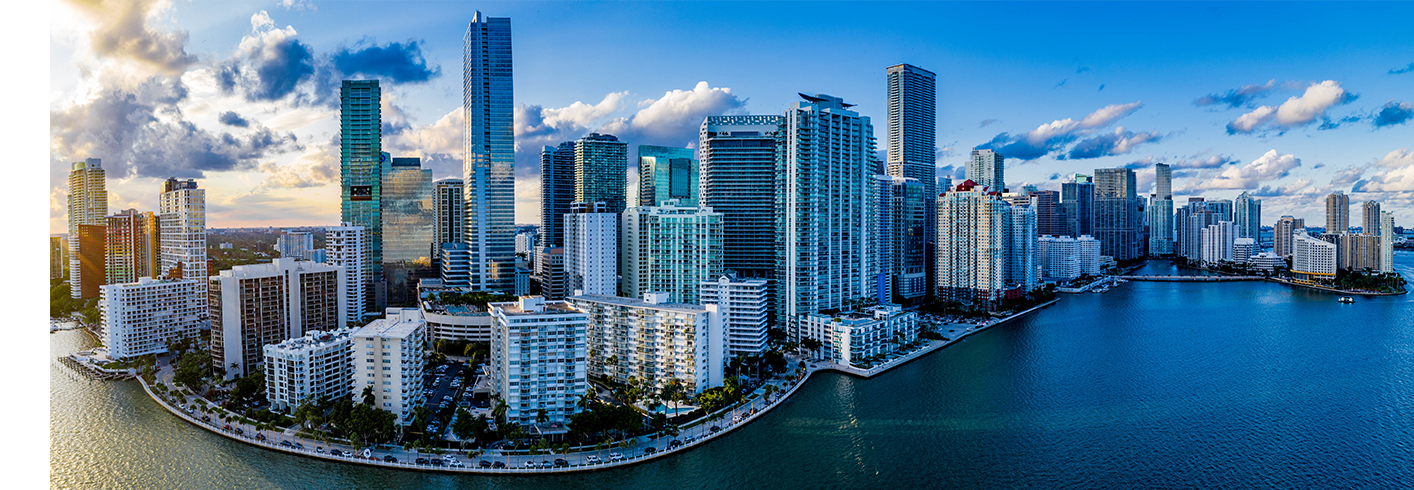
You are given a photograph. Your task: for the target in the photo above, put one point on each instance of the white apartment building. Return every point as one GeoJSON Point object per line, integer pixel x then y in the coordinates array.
{"type": "Point", "coordinates": [294, 243]}
{"type": "Point", "coordinates": [140, 318]}
{"type": "Point", "coordinates": [1387, 241]}
{"type": "Point", "coordinates": [347, 246]}
{"type": "Point", "coordinates": [1023, 251]}
{"type": "Point", "coordinates": [255, 305]}
{"type": "Point", "coordinates": [304, 369]}
{"type": "Point", "coordinates": [974, 231]}
{"type": "Point", "coordinates": [538, 353]}
{"type": "Point", "coordinates": [1064, 258]}
{"type": "Point", "coordinates": [456, 264]}
{"type": "Point", "coordinates": [526, 244]}
{"type": "Point", "coordinates": [389, 354]}
{"type": "Point", "coordinates": [1266, 260]}
{"type": "Point", "coordinates": [670, 249]}
{"type": "Point", "coordinates": [654, 340]}
{"type": "Point", "coordinates": [182, 212]}
{"type": "Point", "coordinates": [742, 305]}
{"type": "Point", "coordinates": [850, 337]}
{"type": "Point", "coordinates": [1243, 249]}
{"type": "Point", "coordinates": [1217, 242]}
{"type": "Point", "coordinates": [591, 249]}
{"type": "Point", "coordinates": [1312, 258]}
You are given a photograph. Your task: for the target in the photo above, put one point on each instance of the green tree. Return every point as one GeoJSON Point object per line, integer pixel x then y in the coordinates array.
{"type": "Point", "coordinates": [368, 398]}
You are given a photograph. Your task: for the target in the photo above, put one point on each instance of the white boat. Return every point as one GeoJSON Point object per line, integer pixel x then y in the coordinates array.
{"type": "Point", "coordinates": [1347, 299]}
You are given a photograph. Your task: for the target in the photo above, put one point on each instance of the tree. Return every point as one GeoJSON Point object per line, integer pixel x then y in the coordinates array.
{"type": "Point", "coordinates": [499, 413]}
{"type": "Point", "coordinates": [811, 345]}
{"type": "Point", "coordinates": [541, 416]}
{"type": "Point", "coordinates": [368, 398]}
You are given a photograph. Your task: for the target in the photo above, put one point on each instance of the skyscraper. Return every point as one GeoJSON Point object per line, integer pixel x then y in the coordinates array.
{"type": "Point", "coordinates": [1049, 217]}
{"type": "Point", "coordinates": [667, 173]}
{"type": "Point", "coordinates": [88, 206]}
{"type": "Point", "coordinates": [556, 192]}
{"type": "Point", "coordinates": [1281, 234]}
{"type": "Point", "coordinates": [1370, 218]}
{"type": "Point", "coordinates": [987, 169]}
{"type": "Point", "coordinates": [362, 165]}
{"type": "Point", "coordinates": [449, 209]}
{"type": "Point", "coordinates": [912, 144]}
{"type": "Point", "coordinates": [1078, 206]}
{"type": "Point", "coordinates": [1161, 212]}
{"type": "Point", "coordinates": [346, 246]}
{"type": "Point", "coordinates": [132, 247]}
{"type": "Point", "coordinates": [1247, 215]}
{"type": "Point", "coordinates": [409, 228]}
{"type": "Point", "coordinates": [294, 243]}
{"type": "Point", "coordinates": [1337, 212]}
{"type": "Point", "coordinates": [827, 222]}
{"type": "Point", "coordinates": [669, 249]}
{"type": "Point", "coordinates": [591, 249]}
{"type": "Point", "coordinates": [974, 231]}
{"type": "Point", "coordinates": [900, 245]}
{"type": "Point", "coordinates": [600, 171]}
{"type": "Point", "coordinates": [183, 215]}
{"type": "Point", "coordinates": [488, 165]}
{"type": "Point", "coordinates": [1118, 218]}
{"type": "Point", "coordinates": [255, 305]}
{"type": "Point", "coordinates": [1386, 241]}
{"type": "Point", "coordinates": [742, 161]}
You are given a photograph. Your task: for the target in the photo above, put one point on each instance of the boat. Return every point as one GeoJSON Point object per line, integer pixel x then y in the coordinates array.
{"type": "Point", "coordinates": [1347, 299]}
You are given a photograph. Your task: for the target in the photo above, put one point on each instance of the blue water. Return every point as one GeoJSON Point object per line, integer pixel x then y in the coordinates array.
{"type": "Point", "coordinates": [1152, 385]}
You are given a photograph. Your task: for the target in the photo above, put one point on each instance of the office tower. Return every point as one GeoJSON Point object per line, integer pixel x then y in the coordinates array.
{"type": "Point", "coordinates": [670, 249]}
{"type": "Point", "coordinates": [550, 269]}
{"type": "Point", "coordinates": [1190, 221]}
{"type": "Point", "coordinates": [1337, 212]}
{"type": "Point", "coordinates": [591, 249]}
{"type": "Point", "coordinates": [132, 247]}
{"type": "Point", "coordinates": [522, 287]}
{"type": "Point", "coordinates": [1217, 242]}
{"type": "Point", "coordinates": [556, 192]}
{"type": "Point", "coordinates": [1065, 258]}
{"type": "Point", "coordinates": [943, 184]}
{"type": "Point", "coordinates": [183, 220]}
{"type": "Point", "coordinates": [1243, 249]}
{"type": "Point", "coordinates": [526, 244]}
{"type": "Point", "coordinates": [389, 354]}
{"type": "Point", "coordinates": [912, 145]}
{"type": "Point", "coordinates": [538, 359]}
{"type": "Point", "coordinates": [409, 228]}
{"type": "Point", "coordinates": [58, 257]}
{"type": "Point", "coordinates": [974, 226]}
{"type": "Point", "coordinates": [88, 206]}
{"type": "Point", "coordinates": [1312, 259]}
{"type": "Point", "coordinates": [1118, 214]}
{"type": "Point", "coordinates": [827, 221]}
{"type": "Point", "coordinates": [1247, 215]}
{"type": "Point", "coordinates": [1161, 232]}
{"type": "Point", "coordinates": [901, 270]}
{"type": "Point", "coordinates": [1370, 218]}
{"type": "Point", "coordinates": [667, 173]}
{"type": "Point", "coordinates": [1049, 218]}
{"type": "Point", "coordinates": [1023, 253]}
{"type": "Point", "coordinates": [1281, 234]}
{"type": "Point", "coordinates": [362, 164]}
{"type": "Point", "coordinates": [455, 265]}
{"type": "Point", "coordinates": [742, 305]}
{"type": "Point", "coordinates": [869, 332]}
{"type": "Point", "coordinates": [449, 211]}
{"type": "Point", "coordinates": [255, 305]}
{"type": "Point", "coordinates": [1078, 206]}
{"type": "Point", "coordinates": [346, 246]}
{"type": "Point", "coordinates": [742, 161]}
{"type": "Point", "coordinates": [142, 316]}
{"type": "Point", "coordinates": [305, 369]}
{"type": "Point", "coordinates": [600, 168]}
{"type": "Point", "coordinates": [1386, 241]}
{"type": "Point", "coordinates": [294, 243]}
{"type": "Point", "coordinates": [1163, 181]}
{"type": "Point", "coordinates": [654, 340]}
{"type": "Point", "coordinates": [488, 166]}
{"type": "Point", "coordinates": [987, 169]}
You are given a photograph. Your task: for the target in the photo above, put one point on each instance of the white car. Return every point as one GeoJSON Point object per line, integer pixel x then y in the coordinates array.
{"type": "Point", "coordinates": [454, 462]}
{"type": "Point", "coordinates": [449, 457]}
{"type": "Point", "coordinates": [616, 456]}
{"type": "Point", "coordinates": [592, 459]}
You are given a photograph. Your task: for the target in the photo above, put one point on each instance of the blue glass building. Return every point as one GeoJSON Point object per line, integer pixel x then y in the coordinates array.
{"type": "Point", "coordinates": [488, 165]}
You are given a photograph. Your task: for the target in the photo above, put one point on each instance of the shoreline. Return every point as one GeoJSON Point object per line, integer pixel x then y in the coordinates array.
{"type": "Point", "coordinates": [1334, 290]}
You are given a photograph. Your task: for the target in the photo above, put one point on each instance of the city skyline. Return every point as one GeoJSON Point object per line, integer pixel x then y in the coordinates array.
{"type": "Point", "coordinates": [249, 108]}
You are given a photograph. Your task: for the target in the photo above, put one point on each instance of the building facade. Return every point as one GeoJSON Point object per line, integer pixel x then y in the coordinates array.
{"type": "Point", "coordinates": [142, 317]}
{"type": "Point", "coordinates": [670, 248]}
{"type": "Point", "coordinates": [347, 246]}
{"type": "Point", "coordinates": [1247, 216]}
{"type": "Point", "coordinates": [305, 369]}
{"type": "Point", "coordinates": [1217, 240]}
{"type": "Point", "coordinates": [409, 228]}
{"type": "Point", "coordinates": [1282, 243]}
{"type": "Point", "coordinates": [557, 182]}
{"type": "Point", "coordinates": [1119, 218]}
{"type": "Point", "coordinates": [1337, 212]}
{"type": "Point", "coordinates": [133, 247]}
{"type": "Point", "coordinates": [88, 206]}
{"type": "Point", "coordinates": [538, 361]}
{"type": "Point", "coordinates": [667, 173]}
{"type": "Point", "coordinates": [1161, 212]}
{"type": "Point", "coordinates": [1078, 205]}
{"type": "Point", "coordinates": [742, 305]}
{"type": "Point", "coordinates": [912, 146]}
{"type": "Point", "coordinates": [1064, 258]}
{"type": "Point", "coordinates": [1370, 218]}
{"type": "Point", "coordinates": [1312, 259]}
{"type": "Point", "coordinates": [389, 355]}
{"type": "Point", "coordinates": [974, 228]}
{"type": "Point", "coordinates": [850, 338]}
{"type": "Point", "coordinates": [550, 269]}
{"type": "Point", "coordinates": [488, 152]}
{"type": "Point", "coordinates": [987, 168]}
{"type": "Point", "coordinates": [654, 341]}
{"type": "Point", "coordinates": [901, 269]}
{"type": "Point", "coordinates": [255, 305]}
{"type": "Point", "coordinates": [1386, 241]}
{"type": "Point", "coordinates": [591, 249]}
{"type": "Point", "coordinates": [449, 214]}
{"type": "Point", "coordinates": [91, 243]}
{"type": "Point", "coordinates": [600, 163]}
{"type": "Point", "coordinates": [362, 165]}
{"type": "Point", "coordinates": [58, 257]}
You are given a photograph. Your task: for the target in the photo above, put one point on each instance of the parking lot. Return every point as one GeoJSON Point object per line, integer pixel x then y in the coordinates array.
{"type": "Point", "coordinates": [440, 387]}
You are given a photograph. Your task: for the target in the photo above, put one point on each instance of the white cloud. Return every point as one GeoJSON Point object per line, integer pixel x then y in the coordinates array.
{"type": "Point", "coordinates": [1296, 111]}
{"type": "Point", "coordinates": [1270, 166]}
{"type": "Point", "coordinates": [1394, 173]}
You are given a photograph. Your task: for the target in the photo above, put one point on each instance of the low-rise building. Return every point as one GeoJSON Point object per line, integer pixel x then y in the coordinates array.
{"type": "Point", "coordinates": [1267, 261]}
{"type": "Point", "coordinates": [538, 358]}
{"type": "Point", "coordinates": [846, 338]}
{"type": "Point", "coordinates": [742, 304]}
{"type": "Point", "coordinates": [554, 285]}
{"type": "Point", "coordinates": [654, 340]}
{"type": "Point", "coordinates": [389, 354]}
{"type": "Point", "coordinates": [448, 321]}
{"type": "Point", "coordinates": [1243, 249]}
{"type": "Point", "coordinates": [307, 368]}
{"type": "Point", "coordinates": [140, 318]}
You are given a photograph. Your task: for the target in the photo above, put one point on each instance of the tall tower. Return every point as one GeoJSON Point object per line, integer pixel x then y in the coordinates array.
{"type": "Point", "coordinates": [409, 227]}
{"type": "Point", "coordinates": [182, 212]}
{"type": "Point", "coordinates": [1370, 218]}
{"type": "Point", "coordinates": [912, 143]}
{"type": "Point", "coordinates": [987, 168]}
{"type": "Point", "coordinates": [1078, 206]}
{"type": "Point", "coordinates": [741, 162]}
{"type": "Point", "coordinates": [1281, 234]}
{"type": "Point", "coordinates": [450, 209]}
{"type": "Point", "coordinates": [1337, 213]}
{"type": "Point", "coordinates": [600, 168]}
{"type": "Point", "coordinates": [488, 165]}
{"type": "Point", "coordinates": [1247, 215]}
{"type": "Point", "coordinates": [1386, 241]}
{"type": "Point", "coordinates": [346, 246]}
{"type": "Point", "coordinates": [362, 164]}
{"type": "Point", "coordinates": [591, 250]}
{"type": "Point", "coordinates": [88, 206]}
{"type": "Point", "coordinates": [133, 247]}
{"type": "Point", "coordinates": [1161, 212]}
{"type": "Point", "coordinates": [556, 192]}
{"type": "Point", "coordinates": [1118, 221]}
{"type": "Point", "coordinates": [667, 173]}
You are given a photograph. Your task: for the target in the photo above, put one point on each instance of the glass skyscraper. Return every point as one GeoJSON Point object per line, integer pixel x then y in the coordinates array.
{"type": "Point", "coordinates": [667, 173]}
{"type": "Point", "coordinates": [741, 162]}
{"type": "Point", "coordinates": [1118, 214]}
{"type": "Point", "coordinates": [488, 165]}
{"type": "Point", "coordinates": [409, 227]}
{"type": "Point", "coordinates": [600, 168]}
{"type": "Point", "coordinates": [556, 192]}
{"type": "Point", "coordinates": [912, 142]}
{"type": "Point", "coordinates": [1161, 212]}
{"type": "Point", "coordinates": [1247, 213]}
{"type": "Point", "coordinates": [987, 168]}
{"type": "Point", "coordinates": [1078, 206]}
{"type": "Point", "coordinates": [362, 164]}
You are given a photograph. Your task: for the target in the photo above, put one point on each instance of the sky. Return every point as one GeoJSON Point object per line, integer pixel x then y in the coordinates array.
{"type": "Point", "coordinates": [1286, 101]}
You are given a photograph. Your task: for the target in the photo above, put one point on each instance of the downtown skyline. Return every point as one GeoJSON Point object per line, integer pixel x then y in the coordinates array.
{"type": "Point", "coordinates": [244, 97]}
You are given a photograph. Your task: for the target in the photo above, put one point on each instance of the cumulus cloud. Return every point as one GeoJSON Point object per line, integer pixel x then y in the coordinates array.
{"type": "Point", "coordinates": [1393, 173]}
{"type": "Point", "coordinates": [1214, 161]}
{"type": "Point", "coordinates": [439, 144]}
{"type": "Point", "coordinates": [1398, 71]}
{"type": "Point", "coordinates": [1270, 166]}
{"type": "Point", "coordinates": [1347, 176]}
{"type": "Point", "coordinates": [1281, 191]}
{"type": "Point", "coordinates": [230, 118]}
{"type": "Point", "coordinates": [1296, 111]}
{"type": "Point", "coordinates": [1145, 162]}
{"type": "Point", "coordinates": [399, 62]}
{"type": "Point", "coordinates": [1238, 97]}
{"type": "Point", "coordinates": [946, 151]}
{"type": "Point", "coordinates": [269, 62]}
{"type": "Point", "coordinates": [316, 167]}
{"type": "Point", "coordinates": [1057, 134]}
{"type": "Point", "coordinates": [1117, 143]}
{"type": "Point", "coordinates": [1393, 113]}
{"type": "Point", "coordinates": [123, 32]}
{"type": "Point", "coordinates": [298, 5]}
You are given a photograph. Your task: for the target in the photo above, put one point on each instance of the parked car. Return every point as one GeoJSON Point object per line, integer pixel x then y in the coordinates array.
{"type": "Point", "coordinates": [561, 462]}
{"type": "Point", "coordinates": [736, 418]}
{"type": "Point", "coordinates": [674, 443]}
{"type": "Point", "coordinates": [390, 459]}
{"type": "Point", "coordinates": [438, 462]}
{"type": "Point", "coordinates": [205, 418]}
{"type": "Point", "coordinates": [714, 428]}
{"type": "Point", "coordinates": [455, 463]}
{"type": "Point", "coordinates": [299, 446]}
{"type": "Point", "coordinates": [258, 437]}
{"type": "Point", "coordinates": [650, 450]}
{"type": "Point", "coordinates": [529, 464]}
{"type": "Point", "coordinates": [498, 464]}
{"type": "Point", "coordinates": [319, 449]}
{"type": "Point", "coordinates": [592, 459]}
{"type": "Point", "coordinates": [336, 452]}
{"type": "Point", "coordinates": [240, 430]}
{"type": "Point", "coordinates": [616, 456]}
{"type": "Point", "coordinates": [545, 464]}
{"type": "Point", "coordinates": [484, 464]}
{"type": "Point", "coordinates": [422, 461]}
{"type": "Point", "coordinates": [287, 444]}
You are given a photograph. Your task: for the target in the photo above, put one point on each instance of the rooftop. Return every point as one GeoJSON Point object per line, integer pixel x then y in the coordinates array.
{"type": "Point", "coordinates": [400, 323]}
{"type": "Point", "coordinates": [655, 304]}
{"type": "Point", "coordinates": [534, 305]}
{"type": "Point", "coordinates": [315, 338]}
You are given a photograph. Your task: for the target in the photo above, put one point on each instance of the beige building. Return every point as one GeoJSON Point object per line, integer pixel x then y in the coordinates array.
{"type": "Point", "coordinates": [389, 354]}
{"type": "Point", "coordinates": [654, 340]}
{"type": "Point", "coordinates": [255, 305]}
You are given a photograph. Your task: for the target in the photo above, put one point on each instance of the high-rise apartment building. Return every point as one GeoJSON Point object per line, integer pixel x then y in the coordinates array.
{"type": "Point", "coordinates": [1243, 249]}
{"type": "Point", "coordinates": [1337, 212]}
{"type": "Point", "coordinates": [667, 173]}
{"type": "Point", "coordinates": [827, 221]}
{"type": "Point", "coordinates": [488, 166]}
{"type": "Point", "coordinates": [409, 228]}
{"type": "Point", "coordinates": [1217, 241]}
{"type": "Point", "coordinates": [901, 249]}
{"type": "Point", "coordinates": [742, 162]}
{"type": "Point", "coordinates": [1370, 218]}
{"type": "Point", "coordinates": [654, 340]}
{"type": "Point", "coordinates": [449, 214]}
{"type": "Point", "coordinates": [987, 169]}
{"type": "Point", "coordinates": [1161, 226]}
{"type": "Point", "coordinates": [1247, 215]}
{"type": "Point", "coordinates": [1119, 218]}
{"type": "Point", "coordinates": [1023, 266]}
{"type": "Point", "coordinates": [974, 231]}
{"type": "Point", "coordinates": [1312, 259]}
{"type": "Point", "coordinates": [346, 246]}
{"type": "Point", "coordinates": [912, 144]}
{"type": "Point", "coordinates": [255, 305]}
{"type": "Point", "coordinates": [1358, 251]}
{"type": "Point", "coordinates": [294, 243]}
{"type": "Point", "coordinates": [58, 257]}
{"type": "Point", "coordinates": [550, 269]}
{"type": "Point", "coordinates": [1078, 206]}
{"type": "Point", "coordinates": [390, 356]}
{"type": "Point", "coordinates": [1190, 222]}
{"type": "Point", "coordinates": [600, 171]}
{"type": "Point", "coordinates": [1050, 220]}
{"type": "Point", "coordinates": [88, 206]}
{"type": "Point", "coordinates": [742, 305]}
{"type": "Point", "coordinates": [557, 182]}
{"type": "Point", "coordinates": [1281, 234]}
{"type": "Point", "coordinates": [304, 369]}
{"type": "Point", "coordinates": [1386, 241]}
{"type": "Point", "coordinates": [183, 219]}
{"type": "Point", "coordinates": [671, 249]}
{"type": "Point", "coordinates": [538, 359]}
{"type": "Point", "coordinates": [591, 249]}
{"type": "Point", "coordinates": [1065, 258]}
{"type": "Point", "coordinates": [132, 246]}
{"type": "Point", "coordinates": [362, 164]}
{"type": "Point", "coordinates": [140, 317]}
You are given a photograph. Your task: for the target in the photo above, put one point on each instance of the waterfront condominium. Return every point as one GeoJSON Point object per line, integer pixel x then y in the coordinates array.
{"type": "Point", "coordinates": [1312, 259]}
{"type": "Point", "coordinates": [654, 340]}
{"type": "Point", "coordinates": [141, 317]}
{"type": "Point", "coordinates": [1217, 242]}
{"type": "Point", "coordinates": [1337, 212]}
{"type": "Point", "coordinates": [346, 246]}
{"type": "Point", "coordinates": [1386, 241]}
{"type": "Point", "coordinates": [912, 146]}
{"type": "Point", "coordinates": [538, 359]}
{"type": "Point", "coordinates": [58, 257]}
{"type": "Point", "coordinates": [591, 249]}
{"type": "Point", "coordinates": [88, 206]}
{"type": "Point", "coordinates": [1247, 215]}
{"type": "Point", "coordinates": [1161, 212]}
{"type": "Point", "coordinates": [1078, 205]}
{"type": "Point", "coordinates": [741, 161]}
{"type": "Point", "coordinates": [853, 337]}
{"type": "Point", "coordinates": [1357, 251]}
{"type": "Point", "coordinates": [294, 243]}
{"type": "Point", "coordinates": [600, 163]}
{"type": "Point", "coordinates": [361, 168]}
{"type": "Point", "coordinates": [1243, 249]}
{"type": "Point", "coordinates": [667, 173]}
{"type": "Point", "coordinates": [670, 248]}
{"type": "Point", "coordinates": [488, 165]}
{"type": "Point", "coordinates": [409, 228]}
{"type": "Point", "coordinates": [974, 227]}
{"type": "Point", "coordinates": [827, 220]}
{"type": "Point", "coordinates": [390, 356]}
{"type": "Point", "coordinates": [132, 247]}
{"type": "Point", "coordinates": [1189, 221]}
{"type": "Point", "coordinates": [449, 215]}
{"type": "Point", "coordinates": [550, 269]}
{"type": "Point", "coordinates": [182, 211]}
{"type": "Point", "coordinates": [556, 192]}
{"type": "Point", "coordinates": [742, 305]}
{"type": "Point", "coordinates": [1023, 265]}
{"type": "Point", "coordinates": [305, 369]}
{"type": "Point", "coordinates": [1065, 258]}
{"type": "Point", "coordinates": [255, 305]}
{"type": "Point", "coordinates": [1119, 218]}
{"type": "Point", "coordinates": [987, 168]}
{"type": "Point", "coordinates": [1281, 234]}
{"type": "Point", "coordinates": [1370, 218]}
{"type": "Point", "coordinates": [900, 246]}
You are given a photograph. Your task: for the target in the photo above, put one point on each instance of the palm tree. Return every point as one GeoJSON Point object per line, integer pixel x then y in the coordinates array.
{"type": "Point", "coordinates": [499, 413]}
{"type": "Point", "coordinates": [541, 416]}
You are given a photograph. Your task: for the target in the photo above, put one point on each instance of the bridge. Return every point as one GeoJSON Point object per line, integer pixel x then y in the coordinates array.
{"type": "Point", "coordinates": [1193, 278]}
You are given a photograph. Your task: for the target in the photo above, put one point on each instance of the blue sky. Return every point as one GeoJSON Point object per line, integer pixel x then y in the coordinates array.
{"type": "Point", "coordinates": [1290, 101]}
